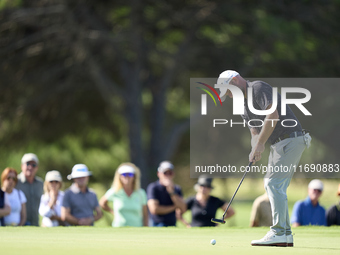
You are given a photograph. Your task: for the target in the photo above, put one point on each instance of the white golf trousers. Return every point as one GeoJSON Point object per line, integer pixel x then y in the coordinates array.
{"type": "Point", "coordinates": [283, 159]}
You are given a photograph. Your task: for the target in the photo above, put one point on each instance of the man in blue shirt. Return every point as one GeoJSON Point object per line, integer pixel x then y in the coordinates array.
{"type": "Point", "coordinates": [164, 197]}
{"type": "Point", "coordinates": [309, 211]}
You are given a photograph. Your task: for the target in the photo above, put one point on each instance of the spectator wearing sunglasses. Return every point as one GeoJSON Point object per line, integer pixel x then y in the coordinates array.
{"type": "Point", "coordinates": [128, 199]}
{"type": "Point", "coordinates": [204, 206]}
{"type": "Point", "coordinates": [164, 197]}
{"type": "Point", "coordinates": [80, 205]}
{"type": "Point", "coordinates": [309, 211]}
{"type": "Point", "coordinates": [32, 186]}
{"type": "Point", "coordinates": [16, 198]}
{"type": "Point", "coordinates": [51, 200]}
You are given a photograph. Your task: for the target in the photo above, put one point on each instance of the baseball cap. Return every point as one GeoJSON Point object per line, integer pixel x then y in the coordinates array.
{"type": "Point", "coordinates": [126, 169]}
{"type": "Point", "coordinates": [29, 157]}
{"type": "Point", "coordinates": [225, 78]}
{"type": "Point", "coordinates": [79, 170]}
{"type": "Point", "coordinates": [165, 166]}
{"type": "Point", "coordinates": [53, 175]}
{"type": "Point", "coordinates": [316, 184]}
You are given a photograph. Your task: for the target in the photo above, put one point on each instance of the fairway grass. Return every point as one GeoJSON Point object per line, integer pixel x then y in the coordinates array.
{"type": "Point", "coordinates": [152, 241]}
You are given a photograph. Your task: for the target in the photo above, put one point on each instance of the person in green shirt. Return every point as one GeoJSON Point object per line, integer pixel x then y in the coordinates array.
{"type": "Point", "coordinates": [128, 199]}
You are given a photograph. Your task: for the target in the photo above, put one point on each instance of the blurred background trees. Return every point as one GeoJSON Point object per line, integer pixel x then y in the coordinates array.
{"type": "Point", "coordinates": [101, 82]}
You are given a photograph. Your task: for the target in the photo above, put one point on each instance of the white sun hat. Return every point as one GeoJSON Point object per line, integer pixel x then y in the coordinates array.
{"type": "Point", "coordinates": [79, 170]}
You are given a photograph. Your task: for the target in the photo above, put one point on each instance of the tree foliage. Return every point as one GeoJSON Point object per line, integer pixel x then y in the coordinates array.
{"type": "Point", "coordinates": [121, 68]}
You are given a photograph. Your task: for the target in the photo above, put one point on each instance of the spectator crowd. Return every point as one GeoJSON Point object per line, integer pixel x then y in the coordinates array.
{"type": "Point", "coordinates": [24, 196]}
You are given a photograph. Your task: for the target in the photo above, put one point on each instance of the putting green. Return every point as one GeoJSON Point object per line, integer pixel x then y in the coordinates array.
{"type": "Point", "coordinates": [97, 240]}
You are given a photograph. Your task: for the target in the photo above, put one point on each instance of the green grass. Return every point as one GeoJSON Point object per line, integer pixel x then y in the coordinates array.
{"type": "Point", "coordinates": [98, 240]}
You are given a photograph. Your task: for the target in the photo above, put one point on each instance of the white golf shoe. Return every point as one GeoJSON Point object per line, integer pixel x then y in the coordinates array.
{"type": "Point", "coordinates": [270, 239]}
{"type": "Point", "coordinates": [290, 240]}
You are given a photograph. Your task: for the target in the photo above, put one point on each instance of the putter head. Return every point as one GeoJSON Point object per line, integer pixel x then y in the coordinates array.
{"type": "Point", "coordinates": [218, 221]}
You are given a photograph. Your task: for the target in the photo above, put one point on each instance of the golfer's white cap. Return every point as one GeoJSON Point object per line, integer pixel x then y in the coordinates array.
{"type": "Point", "coordinates": [79, 170]}
{"type": "Point", "coordinates": [225, 78]}
{"type": "Point", "coordinates": [124, 169]}
{"type": "Point", "coordinates": [29, 157]}
{"type": "Point", "coordinates": [316, 184]}
{"type": "Point", "coordinates": [165, 166]}
{"type": "Point", "coordinates": [53, 175]}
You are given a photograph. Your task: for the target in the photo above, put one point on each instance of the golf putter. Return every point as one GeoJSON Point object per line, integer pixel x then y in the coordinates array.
{"type": "Point", "coordinates": [222, 221]}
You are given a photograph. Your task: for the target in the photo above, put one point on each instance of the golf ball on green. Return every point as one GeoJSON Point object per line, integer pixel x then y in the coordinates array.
{"type": "Point", "coordinates": [213, 241]}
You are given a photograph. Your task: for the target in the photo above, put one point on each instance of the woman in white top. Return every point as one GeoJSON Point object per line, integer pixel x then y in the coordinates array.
{"type": "Point", "coordinates": [17, 199]}
{"type": "Point", "coordinates": [51, 200]}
